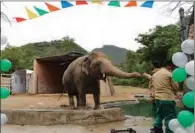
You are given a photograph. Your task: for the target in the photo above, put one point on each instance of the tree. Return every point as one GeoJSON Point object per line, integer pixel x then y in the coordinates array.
{"type": "Point", "coordinates": [159, 44]}
{"type": "Point", "coordinates": [22, 57]}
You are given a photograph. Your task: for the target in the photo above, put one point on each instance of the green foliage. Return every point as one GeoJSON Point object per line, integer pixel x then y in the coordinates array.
{"type": "Point", "coordinates": [159, 44]}
{"type": "Point", "coordinates": [22, 57]}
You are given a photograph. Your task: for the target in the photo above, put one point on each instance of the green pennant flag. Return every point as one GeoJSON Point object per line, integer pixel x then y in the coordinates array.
{"type": "Point", "coordinates": [40, 11]}
{"type": "Point", "coordinates": [114, 3]}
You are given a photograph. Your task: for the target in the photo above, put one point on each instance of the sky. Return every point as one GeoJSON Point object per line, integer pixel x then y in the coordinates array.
{"type": "Point", "coordinates": [92, 25]}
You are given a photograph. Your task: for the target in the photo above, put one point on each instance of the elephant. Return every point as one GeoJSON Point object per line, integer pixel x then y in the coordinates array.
{"type": "Point", "coordinates": [83, 77]}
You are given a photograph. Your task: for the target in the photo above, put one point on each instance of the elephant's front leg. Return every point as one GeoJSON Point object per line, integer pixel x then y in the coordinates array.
{"type": "Point", "coordinates": [82, 101]}
{"type": "Point", "coordinates": [96, 97]}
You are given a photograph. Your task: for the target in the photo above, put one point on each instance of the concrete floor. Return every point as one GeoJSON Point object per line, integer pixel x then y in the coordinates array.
{"type": "Point", "coordinates": [62, 129]}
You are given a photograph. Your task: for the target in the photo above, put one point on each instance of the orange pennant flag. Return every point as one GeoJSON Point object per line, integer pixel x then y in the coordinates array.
{"type": "Point", "coordinates": [31, 14]}
{"type": "Point", "coordinates": [131, 3]}
{"type": "Point", "coordinates": [51, 7]}
{"type": "Point", "coordinates": [79, 2]}
{"type": "Point", "coordinates": [96, 2]}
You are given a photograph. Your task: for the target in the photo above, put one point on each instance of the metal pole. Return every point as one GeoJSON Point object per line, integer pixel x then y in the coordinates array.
{"type": "Point", "coordinates": [184, 35]}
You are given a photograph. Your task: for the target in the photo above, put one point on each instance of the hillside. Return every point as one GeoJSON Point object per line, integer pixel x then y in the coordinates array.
{"type": "Point", "coordinates": [116, 54]}
{"type": "Point", "coordinates": [22, 57]}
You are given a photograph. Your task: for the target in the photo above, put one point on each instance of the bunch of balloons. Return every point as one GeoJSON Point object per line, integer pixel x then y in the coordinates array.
{"type": "Point", "coordinates": [185, 119]}
{"type": "Point", "coordinates": [5, 92]}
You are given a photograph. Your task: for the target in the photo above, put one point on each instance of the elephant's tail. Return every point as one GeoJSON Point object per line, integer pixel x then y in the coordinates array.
{"type": "Point", "coordinates": [62, 93]}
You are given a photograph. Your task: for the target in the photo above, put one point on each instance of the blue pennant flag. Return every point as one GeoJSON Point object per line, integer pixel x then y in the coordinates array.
{"type": "Point", "coordinates": [148, 4]}
{"type": "Point", "coordinates": [66, 4]}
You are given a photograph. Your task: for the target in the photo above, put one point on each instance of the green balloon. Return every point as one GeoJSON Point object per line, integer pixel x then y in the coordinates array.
{"type": "Point", "coordinates": [179, 74]}
{"type": "Point", "coordinates": [188, 99]}
{"type": "Point", "coordinates": [5, 65]}
{"type": "Point", "coordinates": [5, 92]}
{"type": "Point", "coordinates": [185, 118]}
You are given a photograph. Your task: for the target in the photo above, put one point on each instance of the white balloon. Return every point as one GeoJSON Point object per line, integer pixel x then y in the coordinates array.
{"type": "Point", "coordinates": [174, 124]}
{"type": "Point", "coordinates": [180, 130]}
{"type": "Point", "coordinates": [190, 83]}
{"type": "Point", "coordinates": [187, 46]}
{"type": "Point", "coordinates": [3, 39]}
{"type": "Point", "coordinates": [190, 129]}
{"type": "Point", "coordinates": [4, 118]}
{"type": "Point", "coordinates": [180, 59]}
{"type": "Point", "coordinates": [190, 67]}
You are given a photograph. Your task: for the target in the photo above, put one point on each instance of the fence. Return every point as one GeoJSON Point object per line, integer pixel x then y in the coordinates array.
{"type": "Point", "coordinates": [6, 81]}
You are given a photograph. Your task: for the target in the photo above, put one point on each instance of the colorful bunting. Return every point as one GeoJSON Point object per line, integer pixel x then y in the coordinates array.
{"type": "Point", "coordinates": [131, 3]}
{"type": "Point", "coordinates": [40, 11]}
{"type": "Point", "coordinates": [114, 3]}
{"type": "Point", "coordinates": [148, 4]}
{"type": "Point", "coordinates": [66, 4]}
{"type": "Point", "coordinates": [19, 19]}
{"type": "Point", "coordinates": [96, 2]}
{"type": "Point", "coordinates": [79, 2]}
{"type": "Point", "coordinates": [51, 7]}
{"type": "Point", "coordinates": [31, 14]}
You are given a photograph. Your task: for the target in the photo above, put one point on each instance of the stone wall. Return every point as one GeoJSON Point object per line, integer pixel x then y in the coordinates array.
{"type": "Point", "coordinates": [58, 117]}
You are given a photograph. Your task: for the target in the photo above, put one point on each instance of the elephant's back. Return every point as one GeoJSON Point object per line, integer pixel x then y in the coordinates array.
{"type": "Point", "coordinates": [73, 68]}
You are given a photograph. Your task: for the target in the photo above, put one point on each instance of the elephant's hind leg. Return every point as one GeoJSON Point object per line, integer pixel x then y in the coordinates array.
{"type": "Point", "coordinates": [71, 102]}
{"type": "Point", "coordinates": [78, 101]}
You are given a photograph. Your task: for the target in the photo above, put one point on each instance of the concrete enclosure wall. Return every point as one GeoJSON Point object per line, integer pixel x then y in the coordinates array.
{"type": "Point", "coordinates": [58, 117]}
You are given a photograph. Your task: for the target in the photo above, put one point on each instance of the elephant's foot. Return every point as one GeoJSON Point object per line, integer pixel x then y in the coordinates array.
{"type": "Point", "coordinates": [82, 108]}
{"type": "Point", "coordinates": [63, 106]}
{"type": "Point", "coordinates": [97, 107]}
{"type": "Point", "coordinates": [72, 107]}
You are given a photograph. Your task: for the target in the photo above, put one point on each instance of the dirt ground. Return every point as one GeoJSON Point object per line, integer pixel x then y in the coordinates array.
{"type": "Point", "coordinates": [51, 100]}
{"type": "Point", "coordinates": [68, 129]}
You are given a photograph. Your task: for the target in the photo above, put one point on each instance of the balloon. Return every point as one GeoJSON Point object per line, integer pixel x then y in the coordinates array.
{"type": "Point", "coordinates": [185, 118]}
{"type": "Point", "coordinates": [187, 46]}
{"type": "Point", "coordinates": [174, 124]}
{"type": "Point", "coordinates": [179, 75]}
{"type": "Point", "coordinates": [5, 92]}
{"type": "Point", "coordinates": [190, 67]}
{"type": "Point", "coordinates": [5, 65]}
{"type": "Point", "coordinates": [190, 129]}
{"type": "Point", "coordinates": [3, 118]}
{"type": "Point", "coordinates": [190, 83]}
{"type": "Point", "coordinates": [3, 39]}
{"type": "Point", "coordinates": [188, 99]}
{"type": "Point", "coordinates": [180, 59]}
{"type": "Point", "coordinates": [180, 130]}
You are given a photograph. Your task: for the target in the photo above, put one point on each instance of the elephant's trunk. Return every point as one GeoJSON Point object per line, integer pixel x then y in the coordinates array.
{"type": "Point", "coordinates": [111, 70]}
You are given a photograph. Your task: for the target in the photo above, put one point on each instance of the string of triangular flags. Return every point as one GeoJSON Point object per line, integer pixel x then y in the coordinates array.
{"type": "Point", "coordinates": [66, 4]}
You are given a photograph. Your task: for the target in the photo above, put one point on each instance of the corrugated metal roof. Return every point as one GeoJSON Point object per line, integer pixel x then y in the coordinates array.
{"type": "Point", "coordinates": [61, 58]}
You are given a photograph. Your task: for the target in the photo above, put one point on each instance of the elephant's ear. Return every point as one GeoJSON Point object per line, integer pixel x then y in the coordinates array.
{"type": "Point", "coordinates": [85, 65]}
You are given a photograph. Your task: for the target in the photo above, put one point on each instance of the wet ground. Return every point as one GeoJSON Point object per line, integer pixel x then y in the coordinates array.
{"type": "Point", "coordinates": [140, 124]}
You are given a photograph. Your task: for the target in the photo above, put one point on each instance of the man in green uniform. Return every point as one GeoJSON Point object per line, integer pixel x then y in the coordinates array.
{"type": "Point", "coordinates": [165, 94]}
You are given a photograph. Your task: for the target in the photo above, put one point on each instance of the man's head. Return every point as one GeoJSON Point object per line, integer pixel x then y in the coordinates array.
{"type": "Point", "coordinates": [169, 65]}
{"type": "Point", "coordinates": [155, 64]}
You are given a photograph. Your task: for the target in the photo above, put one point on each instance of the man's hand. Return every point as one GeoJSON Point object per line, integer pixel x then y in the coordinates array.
{"type": "Point", "coordinates": [148, 76]}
